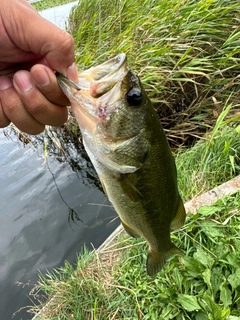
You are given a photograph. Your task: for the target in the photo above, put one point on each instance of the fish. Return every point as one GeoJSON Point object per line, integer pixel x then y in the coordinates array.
{"type": "Point", "coordinates": [126, 144]}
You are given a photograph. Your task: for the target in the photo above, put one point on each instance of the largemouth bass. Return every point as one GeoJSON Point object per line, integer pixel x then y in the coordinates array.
{"type": "Point", "coordinates": [129, 150]}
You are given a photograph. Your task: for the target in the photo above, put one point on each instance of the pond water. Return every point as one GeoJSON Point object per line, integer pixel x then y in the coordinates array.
{"type": "Point", "coordinates": [37, 198]}
{"type": "Point", "coordinates": [59, 15]}
{"type": "Point", "coordinates": [36, 230]}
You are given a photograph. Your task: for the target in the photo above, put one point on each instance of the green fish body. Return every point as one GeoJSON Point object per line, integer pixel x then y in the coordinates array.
{"type": "Point", "coordinates": [129, 150]}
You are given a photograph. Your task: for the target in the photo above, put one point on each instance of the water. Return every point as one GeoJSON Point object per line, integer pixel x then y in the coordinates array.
{"type": "Point", "coordinates": [58, 15]}
{"type": "Point", "coordinates": [35, 232]}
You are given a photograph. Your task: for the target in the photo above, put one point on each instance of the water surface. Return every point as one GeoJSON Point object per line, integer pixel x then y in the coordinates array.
{"type": "Point", "coordinates": [59, 15]}
{"type": "Point", "coordinates": [35, 232]}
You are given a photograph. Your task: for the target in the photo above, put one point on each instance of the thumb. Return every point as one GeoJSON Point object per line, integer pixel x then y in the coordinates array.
{"type": "Point", "coordinates": [32, 33]}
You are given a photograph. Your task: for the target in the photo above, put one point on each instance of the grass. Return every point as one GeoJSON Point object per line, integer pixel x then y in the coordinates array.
{"type": "Point", "coordinates": [202, 284]}
{"type": "Point", "coordinates": [186, 52]}
{"type": "Point", "coordinates": [45, 4]}
{"type": "Point", "coordinates": [211, 161]}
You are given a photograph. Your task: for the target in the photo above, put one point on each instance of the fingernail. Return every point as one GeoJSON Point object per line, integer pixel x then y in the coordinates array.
{"type": "Point", "coordinates": [5, 83]}
{"type": "Point", "coordinates": [23, 81]}
{"type": "Point", "coordinates": [72, 72]}
{"type": "Point", "coordinates": [41, 77]}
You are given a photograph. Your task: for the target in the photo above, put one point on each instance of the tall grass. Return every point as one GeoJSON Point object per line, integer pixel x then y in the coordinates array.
{"type": "Point", "coordinates": [45, 4]}
{"type": "Point", "coordinates": [186, 52]}
{"type": "Point", "coordinates": [211, 161]}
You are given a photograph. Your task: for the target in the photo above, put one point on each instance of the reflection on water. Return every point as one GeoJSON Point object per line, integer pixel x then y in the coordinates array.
{"type": "Point", "coordinates": [35, 201]}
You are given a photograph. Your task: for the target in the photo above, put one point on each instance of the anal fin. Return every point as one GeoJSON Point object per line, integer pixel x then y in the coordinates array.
{"type": "Point", "coordinates": [130, 231]}
{"type": "Point", "coordinates": [180, 216]}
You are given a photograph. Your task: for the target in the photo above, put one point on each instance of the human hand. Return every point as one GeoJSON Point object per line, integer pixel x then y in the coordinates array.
{"type": "Point", "coordinates": [32, 48]}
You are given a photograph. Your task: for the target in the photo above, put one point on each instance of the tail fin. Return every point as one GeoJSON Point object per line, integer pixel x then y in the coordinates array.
{"type": "Point", "coordinates": [156, 260]}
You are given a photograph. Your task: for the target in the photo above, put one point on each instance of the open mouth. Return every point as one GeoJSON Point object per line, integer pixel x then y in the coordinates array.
{"type": "Point", "coordinates": [103, 82]}
{"type": "Point", "coordinates": [107, 73]}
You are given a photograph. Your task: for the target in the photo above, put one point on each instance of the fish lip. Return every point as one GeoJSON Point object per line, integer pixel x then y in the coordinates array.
{"type": "Point", "coordinates": [71, 89]}
{"type": "Point", "coordinates": [113, 65]}
{"type": "Point", "coordinates": [96, 82]}
{"type": "Point", "coordinates": [116, 64]}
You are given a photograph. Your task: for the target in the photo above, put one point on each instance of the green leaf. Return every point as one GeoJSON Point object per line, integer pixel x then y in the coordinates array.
{"type": "Point", "coordinates": [225, 296]}
{"type": "Point", "coordinates": [201, 315]}
{"type": "Point", "coordinates": [238, 129]}
{"type": "Point", "coordinates": [189, 303]}
{"type": "Point", "coordinates": [212, 230]}
{"type": "Point", "coordinates": [234, 279]}
{"type": "Point", "coordinates": [208, 211]}
{"type": "Point", "coordinates": [233, 260]}
{"type": "Point", "coordinates": [177, 278]}
{"type": "Point", "coordinates": [213, 306]}
{"type": "Point", "coordinates": [232, 38]}
{"type": "Point", "coordinates": [193, 267]}
{"type": "Point", "coordinates": [169, 312]}
{"type": "Point", "coordinates": [205, 258]}
{"type": "Point", "coordinates": [217, 279]}
{"type": "Point", "coordinates": [207, 277]}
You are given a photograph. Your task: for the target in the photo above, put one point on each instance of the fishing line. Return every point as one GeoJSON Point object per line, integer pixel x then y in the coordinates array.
{"type": "Point", "coordinates": [72, 214]}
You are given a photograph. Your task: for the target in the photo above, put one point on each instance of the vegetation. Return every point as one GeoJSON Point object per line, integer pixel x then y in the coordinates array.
{"type": "Point", "coordinates": [45, 4]}
{"type": "Point", "coordinates": [187, 54]}
{"type": "Point", "coordinates": [211, 161]}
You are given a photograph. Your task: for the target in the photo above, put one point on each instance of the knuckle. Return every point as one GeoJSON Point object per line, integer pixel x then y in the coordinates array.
{"type": "Point", "coordinates": [11, 105]}
{"type": "Point", "coordinates": [68, 42]}
{"type": "Point", "coordinates": [60, 119]}
{"type": "Point", "coordinates": [35, 103]}
{"type": "Point", "coordinates": [67, 48]}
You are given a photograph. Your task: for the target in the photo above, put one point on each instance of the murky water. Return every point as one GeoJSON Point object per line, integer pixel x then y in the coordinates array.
{"type": "Point", "coordinates": [35, 232]}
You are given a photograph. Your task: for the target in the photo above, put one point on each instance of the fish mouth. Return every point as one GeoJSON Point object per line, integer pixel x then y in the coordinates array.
{"type": "Point", "coordinates": [97, 87]}
{"type": "Point", "coordinates": [99, 79]}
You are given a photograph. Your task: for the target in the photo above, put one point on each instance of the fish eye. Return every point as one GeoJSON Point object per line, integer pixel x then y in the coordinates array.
{"type": "Point", "coordinates": [134, 97]}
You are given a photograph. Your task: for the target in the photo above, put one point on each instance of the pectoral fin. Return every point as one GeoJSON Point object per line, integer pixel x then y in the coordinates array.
{"type": "Point", "coordinates": [180, 216]}
{"type": "Point", "coordinates": [122, 157]}
{"type": "Point", "coordinates": [129, 188]}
